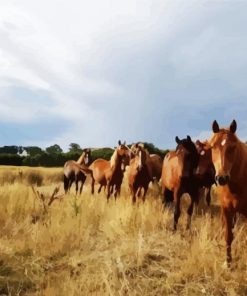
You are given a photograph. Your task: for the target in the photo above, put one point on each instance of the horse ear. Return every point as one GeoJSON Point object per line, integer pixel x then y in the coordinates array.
{"type": "Point", "coordinates": [177, 140]}
{"type": "Point", "coordinates": [233, 126]}
{"type": "Point", "coordinates": [198, 142]}
{"type": "Point", "coordinates": [119, 142]}
{"type": "Point", "coordinates": [215, 127]}
{"type": "Point", "coordinates": [124, 143]}
{"type": "Point", "coordinates": [189, 139]}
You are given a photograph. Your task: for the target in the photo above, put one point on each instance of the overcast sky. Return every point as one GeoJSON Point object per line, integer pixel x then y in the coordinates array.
{"type": "Point", "coordinates": [93, 72]}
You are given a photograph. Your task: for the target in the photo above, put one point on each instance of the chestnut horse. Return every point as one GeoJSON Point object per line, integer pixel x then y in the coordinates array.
{"type": "Point", "coordinates": [110, 173]}
{"type": "Point", "coordinates": [205, 172]}
{"type": "Point", "coordinates": [75, 171]}
{"type": "Point", "coordinates": [140, 172]}
{"type": "Point", "coordinates": [155, 162]}
{"type": "Point", "coordinates": [178, 176]}
{"type": "Point", "coordinates": [229, 157]}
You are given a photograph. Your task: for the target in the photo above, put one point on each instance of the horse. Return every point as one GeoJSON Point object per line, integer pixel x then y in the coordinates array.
{"type": "Point", "coordinates": [178, 177]}
{"type": "Point", "coordinates": [205, 172]}
{"type": "Point", "coordinates": [155, 161]}
{"type": "Point", "coordinates": [75, 171]}
{"type": "Point", "coordinates": [156, 165]}
{"type": "Point", "coordinates": [140, 172]}
{"type": "Point", "coordinates": [229, 156]}
{"type": "Point", "coordinates": [109, 174]}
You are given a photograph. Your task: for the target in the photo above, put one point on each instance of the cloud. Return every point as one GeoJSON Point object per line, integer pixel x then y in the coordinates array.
{"type": "Point", "coordinates": [134, 70]}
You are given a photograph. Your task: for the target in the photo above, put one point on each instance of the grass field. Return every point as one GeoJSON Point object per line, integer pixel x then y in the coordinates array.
{"type": "Point", "coordinates": [84, 246]}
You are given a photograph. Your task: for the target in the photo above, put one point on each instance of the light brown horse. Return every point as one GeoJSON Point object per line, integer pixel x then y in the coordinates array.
{"type": "Point", "coordinates": [110, 174]}
{"type": "Point", "coordinates": [76, 171]}
{"type": "Point", "coordinates": [229, 157]}
{"type": "Point", "coordinates": [178, 176]}
{"type": "Point", "coordinates": [140, 172]}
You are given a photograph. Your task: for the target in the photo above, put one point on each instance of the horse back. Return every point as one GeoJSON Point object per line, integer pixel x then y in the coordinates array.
{"type": "Point", "coordinates": [100, 168]}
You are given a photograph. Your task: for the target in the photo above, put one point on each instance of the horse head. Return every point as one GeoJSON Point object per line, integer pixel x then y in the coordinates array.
{"type": "Point", "coordinates": [224, 146]}
{"type": "Point", "coordinates": [187, 155]}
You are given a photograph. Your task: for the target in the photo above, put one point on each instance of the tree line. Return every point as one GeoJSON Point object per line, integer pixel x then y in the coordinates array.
{"type": "Point", "coordinates": [54, 156]}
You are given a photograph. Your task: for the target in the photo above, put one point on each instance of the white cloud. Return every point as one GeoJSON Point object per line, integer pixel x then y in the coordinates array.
{"type": "Point", "coordinates": [118, 68]}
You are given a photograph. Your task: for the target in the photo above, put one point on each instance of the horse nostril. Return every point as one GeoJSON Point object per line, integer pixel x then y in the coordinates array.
{"type": "Point", "coordinates": [222, 180]}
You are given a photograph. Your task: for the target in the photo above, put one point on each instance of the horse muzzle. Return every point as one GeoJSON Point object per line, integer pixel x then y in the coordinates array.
{"type": "Point", "coordinates": [222, 179]}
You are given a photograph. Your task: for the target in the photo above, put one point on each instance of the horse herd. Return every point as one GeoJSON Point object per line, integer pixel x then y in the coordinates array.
{"type": "Point", "coordinates": [221, 160]}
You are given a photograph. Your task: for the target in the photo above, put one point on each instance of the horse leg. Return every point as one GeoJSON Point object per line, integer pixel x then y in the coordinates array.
{"type": "Point", "coordinates": [144, 193]}
{"type": "Point", "coordinates": [82, 183]}
{"type": "Point", "coordinates": [65, 184]}
{"type": "Point", "coordinates": [100, 187]}
{"type": "Point", "coordinates": [190, 212]}
{"type": "Point", "coordinates": [108, 190]}
{"type": "Point", "coordinates": [228, 216]}
{"type": "Point", "coordinates": [168, 197]}
{"type": "Point", "coordinates": [208, 196]}
{"type": "Point", "coordinates": [70, 184]}
{"type": "Point", "coordinates": [92, 184]}
{"type": "Point", "coordinates": [177, 196]}
{"type": "Point", "coordinates": [76, 184]}
{"type": "Point", "coordinates": [139, 191]}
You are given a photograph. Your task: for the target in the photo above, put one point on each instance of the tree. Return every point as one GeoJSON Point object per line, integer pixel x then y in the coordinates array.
{"type": "Point", "coordinates": [9, 149]}
{"type": "Point", "coordinates": [33, 150]}
{"type": "Point", "coordinates": [75, 148]}
{"type": "Point", "coordinates": [54, 149]}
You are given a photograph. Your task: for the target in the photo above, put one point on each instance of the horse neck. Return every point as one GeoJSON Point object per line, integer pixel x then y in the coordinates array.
{"type": "Point", "coordinates": [114, 162]}
{"type": "Point", "coordinates": [239, 169]}
{"type": "Point", "coordinates": [81, 158]}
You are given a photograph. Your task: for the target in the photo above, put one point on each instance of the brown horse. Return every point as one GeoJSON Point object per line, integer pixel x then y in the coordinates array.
{"type": "Point", "coordinates": [156, 164]}
{"type": "Point", "coordinates": [205, 172]}
{"type": "Point", "coordinates": [178, 176]}
{"type": "Point", "coordinates": [110, 174]}
{"type": "Point", "coordinates": [155, 161]}
{"type": "Point", "coordinates": [140, 172]}
{"type": "Point", "coordinates": [76, 171]}
{"type": "Point", "coordinates": [229, 157]}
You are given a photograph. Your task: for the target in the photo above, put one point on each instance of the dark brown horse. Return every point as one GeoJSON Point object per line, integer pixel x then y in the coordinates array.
{"type": "Point", "coordinates": [178, 176]}
{"type": "Point", "coordinates": [229, 157]}
{"type": "Point", "coordinates": [110, 174]}
{"type": "Point", "coordinates": [205, 172]}
{"type": "Point", "coordinates": [140, 172]}
{"type": "Point", "coordinates": [77, 171]}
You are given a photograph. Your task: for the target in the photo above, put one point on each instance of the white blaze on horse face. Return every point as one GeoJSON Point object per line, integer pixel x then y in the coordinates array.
{"type": "Point", "coordinates": [223, 142]}
{"type": "Point", "coordinates": [140, 159]}
{"type": "Point", "coordinates": [86, 160]}
{"type": "Point", "coordinates": [203, 152]}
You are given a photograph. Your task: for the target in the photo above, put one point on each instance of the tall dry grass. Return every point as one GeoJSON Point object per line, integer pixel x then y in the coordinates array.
{"type": "Point", "coordinates": [84, 246]}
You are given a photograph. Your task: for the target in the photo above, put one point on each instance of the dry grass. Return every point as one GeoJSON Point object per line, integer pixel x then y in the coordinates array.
{"type": "Point", "coordinates": [84, 246]}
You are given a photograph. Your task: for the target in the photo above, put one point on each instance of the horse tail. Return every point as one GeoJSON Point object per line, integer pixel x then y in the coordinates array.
{"type": "Point", "coordinates": [65, 183]}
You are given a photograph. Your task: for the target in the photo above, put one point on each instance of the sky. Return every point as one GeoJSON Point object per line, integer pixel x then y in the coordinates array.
{"type": "Point", "coordinates": [93, 72]}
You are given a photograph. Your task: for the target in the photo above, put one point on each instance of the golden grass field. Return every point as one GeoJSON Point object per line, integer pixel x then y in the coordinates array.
{"type": "Point", "coordinates": [84, 246]}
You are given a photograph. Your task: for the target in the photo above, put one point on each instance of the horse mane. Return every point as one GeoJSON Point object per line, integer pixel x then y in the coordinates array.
{"type": "Point", "coordinates": [114, 159]}
{"type": "Point", "coordinates": [80, 159]}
